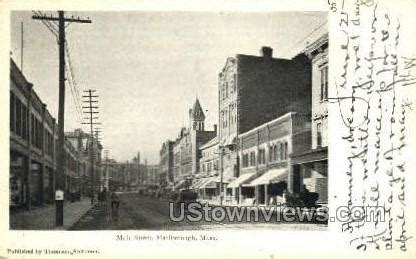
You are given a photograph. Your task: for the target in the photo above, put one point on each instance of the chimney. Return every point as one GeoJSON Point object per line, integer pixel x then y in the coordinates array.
{"type": "Point", "coordinates": [215, 128]}
{"type": "Point", "coordinates": [266, 52]}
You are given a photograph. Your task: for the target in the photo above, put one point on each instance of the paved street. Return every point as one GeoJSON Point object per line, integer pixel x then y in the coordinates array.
{"type": "Point", "coordinates": [141, 212]}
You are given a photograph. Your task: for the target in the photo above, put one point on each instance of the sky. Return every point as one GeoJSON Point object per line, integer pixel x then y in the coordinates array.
{"type": "Point", "coordinates": [149, 67]}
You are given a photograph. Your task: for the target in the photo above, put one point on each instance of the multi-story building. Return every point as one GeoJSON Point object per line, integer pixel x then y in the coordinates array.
{"type": "Point", "coordinates": [310, 168]}
{"type": "Point", "coordinates": [152, 175]}
{"type": "Point", "coordinates": [265, 170]}
{"type": "Point", "coordinates": [207, 181]}
{"type": "Point", "coordinates": [186, 147]}
{"type": "Point", "coordinates": [33, 137]}
{"type": "Point", "coordinates": [166, 164]}
{"type": "Point", "coordinates": [253, 90]}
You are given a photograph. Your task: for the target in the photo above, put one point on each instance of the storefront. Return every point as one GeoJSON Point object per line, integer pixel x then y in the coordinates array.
{"type": "Point", "coordinates": [269, 185]}
{"type": "Point", "coordinates": [17, 194]}
{"type": "Point", "coordinates": [310, 172]}
{"type": "Point", "coordinates": [241, 192]}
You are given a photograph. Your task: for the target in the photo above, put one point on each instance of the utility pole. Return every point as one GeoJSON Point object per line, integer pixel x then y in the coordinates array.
{"type": "Point", "coordinates": [92, 112]}
{"type": "Point", "coordinates": [60, 174]}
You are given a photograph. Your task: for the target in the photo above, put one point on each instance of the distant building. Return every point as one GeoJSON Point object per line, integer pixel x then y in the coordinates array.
{"type": "Point", "coordinates": [152, 175]}
{"type": "Point", "coordinates": [253, 90]}
{"type": "Point", "coordinates": [207, 181]}
{"type": "Point", "coordinates": [186, 147]}
{"type": "Point", "coordinates": [166, 163]}
{"type": "Point", "coordinates": [310, 168]}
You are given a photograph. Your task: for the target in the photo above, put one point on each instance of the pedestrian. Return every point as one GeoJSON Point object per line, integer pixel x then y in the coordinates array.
{"type": "Point", "coordinates": [115, 203]}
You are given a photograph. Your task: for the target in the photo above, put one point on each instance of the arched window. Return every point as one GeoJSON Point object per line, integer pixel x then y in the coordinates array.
{"type": "Point", "coordinates": [286, 150]}
{"type": "Point", "coordinates": [279, 152]}
{"type": "Point", "coordinates": [282, 151]}
{"type": "Point", "coordinates": [275, 152]}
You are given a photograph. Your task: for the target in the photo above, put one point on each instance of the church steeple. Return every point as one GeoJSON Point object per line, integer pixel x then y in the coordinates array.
{"type": "Point", "coordinates": [196, 117]}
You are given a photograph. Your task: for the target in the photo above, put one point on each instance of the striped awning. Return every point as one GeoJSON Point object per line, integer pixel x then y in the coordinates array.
{"type": "Point", "coordinates": [209, 184]}
{"type": "Point", "coordinates": [241, 180]}
{"type": "Point", "coordinates": [271, 176]}
{"type": "Point", "coordinates": [180, 185]}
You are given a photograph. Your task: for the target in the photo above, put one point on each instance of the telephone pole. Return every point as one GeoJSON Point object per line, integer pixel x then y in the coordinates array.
{"type": "Point", "coordinates": [92, 111]}
{"type": "Point", "coordinates": [60, 174]}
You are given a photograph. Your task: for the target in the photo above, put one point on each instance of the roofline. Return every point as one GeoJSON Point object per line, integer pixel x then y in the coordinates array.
{"type": "Point", "coordinates": [285, 116]}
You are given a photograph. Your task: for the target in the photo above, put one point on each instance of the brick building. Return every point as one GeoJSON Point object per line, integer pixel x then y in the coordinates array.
{"type": "Point", "coordinates": [265, 158]}
{"type": "Point", "coordinates": [253, 90]}
{"type": "Point", "coordinates": [311, 167]}
{"type": "Point", "coordinates": [33, 137]}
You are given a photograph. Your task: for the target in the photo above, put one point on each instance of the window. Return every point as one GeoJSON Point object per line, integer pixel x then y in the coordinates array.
{"type": "Point", "coordinates": [262, 156]}
{"type": "Point", "coordinates": [32, 131]}
{"type": "Point", "coordinates": [281, 151]}
{"type": "Point", "coordinates": [245, 160]}
{"type": "Point", "coordinates": [226, 89]}
{"type": "Point", "coordinates": [12, 113]}
{"type": "Point", "coordinates": [319, 134]}
{"type": "Point", "coordinates": [24, 122]}
{"type": "Point", "coordinates": [225, 118]}
{"type": "Point", "coordinates": [286, 151]}
{"type": "Point", "coordinates": [324, 83]}
{"type": "Point", "coordinates": [252, 158]}
{"type": "Point", "coordinates": [275, 152]}
{"type": "Point", "coordinates": [235, 82]}
{"type": "Point", "coordinates": [18, 117]}
{"type": "Point", "coordinates": [270, 153]}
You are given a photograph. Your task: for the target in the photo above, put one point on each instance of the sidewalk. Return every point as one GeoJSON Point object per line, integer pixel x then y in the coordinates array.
{"type": "Point", "coordinates": [43, 218]}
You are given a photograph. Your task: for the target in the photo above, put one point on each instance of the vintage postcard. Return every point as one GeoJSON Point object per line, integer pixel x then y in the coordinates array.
{"type": "Point", "coordinates": [208, 129]}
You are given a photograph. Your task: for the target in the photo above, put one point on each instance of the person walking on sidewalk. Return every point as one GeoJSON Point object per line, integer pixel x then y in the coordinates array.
{"type": "Point", "coordinates": [115, 203]}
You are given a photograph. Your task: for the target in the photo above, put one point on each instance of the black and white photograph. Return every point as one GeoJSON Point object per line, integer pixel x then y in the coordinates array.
{"type": "Point", "coordinates": [168, 120]}
{"type": "Point", "coordinates": [209, 129]}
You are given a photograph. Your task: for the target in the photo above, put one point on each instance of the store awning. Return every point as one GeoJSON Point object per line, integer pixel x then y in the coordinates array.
{"type": "Point", "coordinates": [225, 179]}
{"type": "Point", "coordinates": [231, 139]}
{"type": "Point", "coordinates": [209, 184]}
{"type": "Point", "coordinates": [181, 184]}
{"type": "Point", "coordinates": [195, 183]}
{"type": "Point", "coordinates": [271, 176]}
{"type": "Point", "coordinates": [201, 182]}
{"type": "Point", "coordinates": [240, 180]}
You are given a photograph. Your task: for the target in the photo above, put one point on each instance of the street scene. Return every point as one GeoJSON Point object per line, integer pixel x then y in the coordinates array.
{"type": "Point", "coordinates": [168, 121]}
